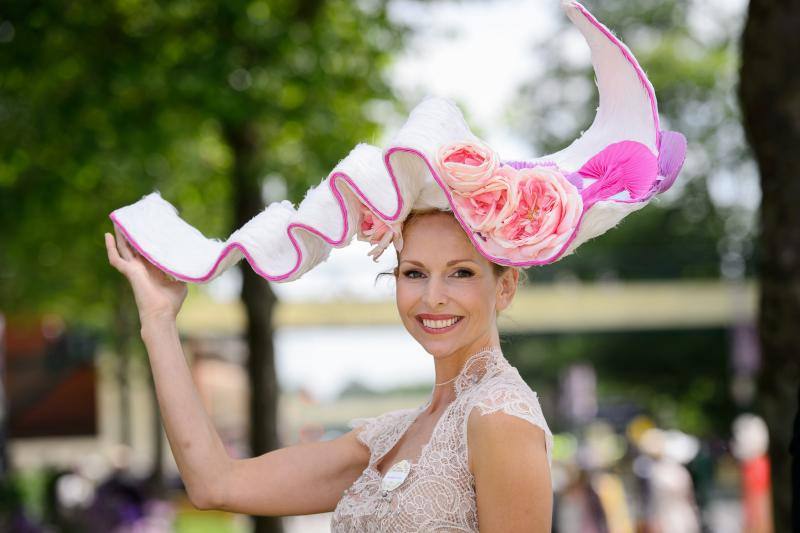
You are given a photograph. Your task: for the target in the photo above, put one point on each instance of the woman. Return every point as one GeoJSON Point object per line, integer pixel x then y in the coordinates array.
{"type": "Point", "coordinates": [484, 469]}
{"type": "Point", "coordinates": [462, 221]}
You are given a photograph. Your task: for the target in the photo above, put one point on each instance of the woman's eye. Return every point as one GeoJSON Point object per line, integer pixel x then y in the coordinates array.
{"type": "Point", "coordinates": [412, 274]}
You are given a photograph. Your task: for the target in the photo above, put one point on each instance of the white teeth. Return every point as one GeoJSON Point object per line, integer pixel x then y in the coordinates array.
{"type": "Point", "coordinates": [438, 324]}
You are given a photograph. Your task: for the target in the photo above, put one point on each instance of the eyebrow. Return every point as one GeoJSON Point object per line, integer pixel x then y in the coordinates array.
{"type": "Point", "coordinates": [453, 262]}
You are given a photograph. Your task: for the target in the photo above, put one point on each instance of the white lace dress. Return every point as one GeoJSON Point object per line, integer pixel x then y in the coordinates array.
{"type": "Point", "coordinates": [439, 493]}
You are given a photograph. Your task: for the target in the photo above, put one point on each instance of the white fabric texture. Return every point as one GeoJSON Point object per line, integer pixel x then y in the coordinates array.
{"type": "Point", "coordinates": [439, 493]}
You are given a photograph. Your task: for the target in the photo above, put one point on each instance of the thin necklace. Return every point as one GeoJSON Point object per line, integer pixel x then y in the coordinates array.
{"type": "Point", "coordinates": [446, 382]}
{"type": "Point", "coordinates": [486, 349]}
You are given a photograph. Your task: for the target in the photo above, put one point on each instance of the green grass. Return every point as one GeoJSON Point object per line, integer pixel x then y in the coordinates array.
{"type": "Point", "coordinates": [192, 521]}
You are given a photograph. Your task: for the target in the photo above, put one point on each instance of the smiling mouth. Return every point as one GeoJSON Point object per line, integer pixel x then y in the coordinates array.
{"type": "Point", "coordinates": [439, 326]}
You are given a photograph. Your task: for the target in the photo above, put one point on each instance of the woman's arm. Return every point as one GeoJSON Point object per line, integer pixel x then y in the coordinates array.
{"type": "Point", "coordinates": [305, 478]}
{"type": "Point", "coordinates": [198, 450]}
{"type": "Point", "coordinates": [301, 479]}
{"type": "Point", "coordinates": [508, 458]}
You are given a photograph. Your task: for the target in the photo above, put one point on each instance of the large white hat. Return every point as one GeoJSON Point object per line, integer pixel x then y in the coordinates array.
{"type": "Point", "coordinates": [518, 213]}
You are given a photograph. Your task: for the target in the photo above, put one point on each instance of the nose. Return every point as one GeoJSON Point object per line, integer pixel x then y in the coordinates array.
{"type": "Point", "coordinates": [435, 292]}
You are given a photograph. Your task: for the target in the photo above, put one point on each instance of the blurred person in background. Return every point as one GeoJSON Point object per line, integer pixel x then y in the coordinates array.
{"type": "Point", "coordinates": [671, 504]}
{"type": "Point", "coordinates": [579, 506]}
{"type": "Point", "coordinates": [749, 445]}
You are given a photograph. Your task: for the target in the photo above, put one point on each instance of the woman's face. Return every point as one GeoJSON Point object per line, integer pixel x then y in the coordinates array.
{"type": "Point", "coordinates": [442, 277]}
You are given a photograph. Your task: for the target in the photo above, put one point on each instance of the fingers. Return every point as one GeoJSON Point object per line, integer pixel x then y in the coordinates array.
{"type": "Point", "coordinates": [127, 259]}
{"type": "Point", "coordinates": [154, 270]}
{"type": "Point", "coordinates": [122, 244]}
{"type": "Point", "coordinates": [113, 254]}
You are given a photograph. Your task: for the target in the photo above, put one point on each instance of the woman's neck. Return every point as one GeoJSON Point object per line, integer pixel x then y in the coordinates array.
{"type": "Point", "coordinates": [451, 369]}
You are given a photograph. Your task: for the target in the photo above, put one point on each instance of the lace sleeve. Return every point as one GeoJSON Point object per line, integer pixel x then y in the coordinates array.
{"type": "Point", "coordinates": [368, 426]}
{"type": "Point", "coordinates": [519, 400]}
{"type": "Point", "coordinates": [374, 430]}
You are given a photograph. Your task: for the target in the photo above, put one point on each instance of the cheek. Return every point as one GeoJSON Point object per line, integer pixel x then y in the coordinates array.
{"type": "Point", "coordinates": [484, 298]}
{"type": "Point", "coordinates": [404, 296]}
{"type": "Point", "coordinates": [476, 299]}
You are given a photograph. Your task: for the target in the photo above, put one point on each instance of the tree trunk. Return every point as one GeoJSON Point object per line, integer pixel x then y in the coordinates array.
{"type": "Point", "coordinates": [5, 467]}
{"type": "Point", "coordinates": [259, 301]}
{"type": "Point", "coordinates": [124, 325]}
{"type": "Point", "coordinates": [156, 477]}
{"type": "Point", "coordinates": [769, 90]}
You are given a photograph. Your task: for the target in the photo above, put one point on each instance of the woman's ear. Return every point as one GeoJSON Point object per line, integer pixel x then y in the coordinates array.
{"type": "Point", "coordinates": [506, 288]}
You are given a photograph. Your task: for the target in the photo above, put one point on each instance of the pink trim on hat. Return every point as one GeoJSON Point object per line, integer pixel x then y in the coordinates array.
{"type": "Point", "coordinates": [623, 48]}
{"type": "Point", "coordinates": [235, 245]}
{"type": "Point", "coordinates": [334, 178]}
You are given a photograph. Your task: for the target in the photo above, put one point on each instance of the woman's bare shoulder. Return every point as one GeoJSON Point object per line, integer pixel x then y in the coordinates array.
{"type": "Point", "coordinates": [499, 401]}
{"type": "Point", "coordinates": [509, 461]}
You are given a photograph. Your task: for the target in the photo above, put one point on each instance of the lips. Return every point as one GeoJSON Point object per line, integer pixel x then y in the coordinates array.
{"type": "Point", "coordinates": [434, 331]}
{"type": "Point", "coordinates": [427, 316]}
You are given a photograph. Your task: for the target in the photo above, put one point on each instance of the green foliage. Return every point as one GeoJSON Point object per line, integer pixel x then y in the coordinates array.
{"type": "Point", "coordinates": [102, 103]}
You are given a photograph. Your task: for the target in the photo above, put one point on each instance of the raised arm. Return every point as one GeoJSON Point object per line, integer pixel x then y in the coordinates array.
{"type": "Point", "coordinates": [198, 450]}
{"type": "Point", "coordinates": [301, 479]}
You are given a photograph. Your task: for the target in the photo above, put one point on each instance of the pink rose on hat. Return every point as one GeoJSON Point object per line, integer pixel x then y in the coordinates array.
{"type": "Point", "coordinates": [483, 208]}
{"type": "Point", "coordinates": [547, 212]}
{"type": "Point", "coordinates": [530, 211]}
{"type": "Point", "coordinates": [372, 229]}
{"type": "Point", "coordinates": [466, 166]}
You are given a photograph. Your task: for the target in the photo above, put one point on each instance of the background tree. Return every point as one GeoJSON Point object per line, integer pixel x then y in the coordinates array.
{"type": "Point", "coordinates": [769, 89]}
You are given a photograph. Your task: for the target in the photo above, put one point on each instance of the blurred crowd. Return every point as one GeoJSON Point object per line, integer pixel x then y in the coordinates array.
{"type": "Point", "coordinates": [88, 498]}
{"type": "Point", "coordinates": [654, 480]}
{"type": "Point", "coordinates": [643, 480]}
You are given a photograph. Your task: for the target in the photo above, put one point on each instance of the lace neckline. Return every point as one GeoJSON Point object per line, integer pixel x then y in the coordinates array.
{"type": "Point", "coordinates": [486, 361]}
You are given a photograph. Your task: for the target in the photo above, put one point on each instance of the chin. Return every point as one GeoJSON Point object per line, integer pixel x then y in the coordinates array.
{"type": "Point", "coordinates": [433, 346]}
{"type": "Point", "coordinates": [441, 348]}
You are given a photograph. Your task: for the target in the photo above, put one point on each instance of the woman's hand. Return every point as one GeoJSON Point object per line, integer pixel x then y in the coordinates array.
{"type": "Point", "coordinates": [158, 296]}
